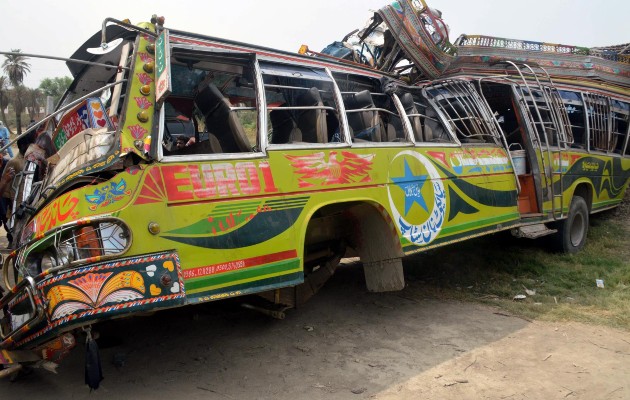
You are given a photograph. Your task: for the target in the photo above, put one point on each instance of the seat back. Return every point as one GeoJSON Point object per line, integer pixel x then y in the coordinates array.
{"type": "Point", "coordinates": [312, 123]}
{"type": "Point", "coordinates": [221, 120]}
{"type": "Point", "coordinates": [434, 131]}
{"type": "Point", "coordinates": [365, 125]}
{"type": "Point", "coordinates": [410, 108]}
{"type": "Point", "coordinates": [284, 128]}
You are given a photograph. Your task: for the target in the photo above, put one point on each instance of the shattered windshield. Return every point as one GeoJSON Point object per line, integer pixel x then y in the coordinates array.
{"type": "Point", "coordinates": [86, 130]}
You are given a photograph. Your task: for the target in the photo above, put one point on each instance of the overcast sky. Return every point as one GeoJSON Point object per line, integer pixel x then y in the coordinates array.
{"type": "Point", "coordinates": [59, 27]}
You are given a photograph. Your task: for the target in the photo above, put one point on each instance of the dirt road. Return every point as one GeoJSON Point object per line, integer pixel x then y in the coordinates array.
{"type": "Point", "coordinates": [346, 344]}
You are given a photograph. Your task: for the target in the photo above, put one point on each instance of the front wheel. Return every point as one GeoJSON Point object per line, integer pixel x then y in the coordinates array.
{"type": "Point", "coordinates": [572, 231]}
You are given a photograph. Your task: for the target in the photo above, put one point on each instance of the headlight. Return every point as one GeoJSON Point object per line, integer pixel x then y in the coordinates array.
{"type": "Point", "coordinates": [48, 261]}
{"type": "Point", "coordinates": [65, 253]}
{"type": "Point", "coordinates": [68, 245]}
{"type": "Point", "coordinates": [32, 266]}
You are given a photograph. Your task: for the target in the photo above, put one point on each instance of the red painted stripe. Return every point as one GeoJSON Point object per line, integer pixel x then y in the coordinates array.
{"type": "Point", "coordinates": [261, 196]}
{"type": "Point", "coordinates": [238, 264]}
{"type": "Point", "coordinates": [317, 189]}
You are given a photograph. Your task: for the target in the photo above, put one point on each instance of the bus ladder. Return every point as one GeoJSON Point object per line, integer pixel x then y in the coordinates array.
{"type": "Point", "coordinates": [552, 128]}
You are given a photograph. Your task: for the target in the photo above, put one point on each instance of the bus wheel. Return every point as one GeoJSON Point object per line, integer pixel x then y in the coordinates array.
{"type": "Point", "coordinates": [572, 231]}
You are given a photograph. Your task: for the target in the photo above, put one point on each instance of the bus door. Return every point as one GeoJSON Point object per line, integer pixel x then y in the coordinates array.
{"type": "Point", "coordinates": [484, 191]}
{"type": "Point", "coordinates": [537, 131]}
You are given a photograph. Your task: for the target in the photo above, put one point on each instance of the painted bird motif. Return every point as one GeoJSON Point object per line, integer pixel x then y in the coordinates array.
{"type": "Point", "coordinates": [334, 169]}
{"type": "Point", "coordinates": [108, 194]}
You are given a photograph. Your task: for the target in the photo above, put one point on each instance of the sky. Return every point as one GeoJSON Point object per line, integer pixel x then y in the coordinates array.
{"type": "Point", "coordinates": [59, 27]}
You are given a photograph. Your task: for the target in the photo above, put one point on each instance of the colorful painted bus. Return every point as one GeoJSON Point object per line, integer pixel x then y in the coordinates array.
{"type": "Point", "coordinates": [189, 169]}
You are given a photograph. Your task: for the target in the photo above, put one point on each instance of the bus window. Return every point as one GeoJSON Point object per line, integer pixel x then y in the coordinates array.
{"type": "Point", "coordinates": [500, 98]}
{"type": "Point", "coordinates": [212, 107]}
{"type": "Point", "coordinates": [620, 117]}
{"type": "Point", "coordinates": [575, 109]}
{"type": "Point", "coordinates": [540, 112]}
{"type": "Point", "coordinates": [598, 111]}
{"type": "Point", "coordinates": [424, 120]}
{"type": "Point", "coordinates": [465, 111]}
{"type": "Point", "coordinates": [372, 115]}
{"type": "Point", "coordinates": [300, 104]}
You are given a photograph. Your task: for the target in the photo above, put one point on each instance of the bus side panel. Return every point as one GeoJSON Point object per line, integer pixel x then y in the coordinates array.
{"type": "Point", "coordinates": [607, 177]}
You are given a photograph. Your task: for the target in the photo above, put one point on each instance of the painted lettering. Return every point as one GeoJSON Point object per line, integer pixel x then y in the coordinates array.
{"type": "Point", "coordinates": [270, 186]}
{"type": "Point", "coordinates": [177, 178]}
{"type": "Point", "coordinates": [248, 178]}
{"type": "Point", "coordinates": [225, 177]}
{"type": "Point", "coordinates": [59, 211]}
{"type": "Point", "coordinates": [206, 181]}
{"type": "Point", "coordinates": [203, 181]}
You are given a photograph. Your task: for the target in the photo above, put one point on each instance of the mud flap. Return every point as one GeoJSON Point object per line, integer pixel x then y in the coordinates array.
{"type": "Point", "coordinates": [384, 275]}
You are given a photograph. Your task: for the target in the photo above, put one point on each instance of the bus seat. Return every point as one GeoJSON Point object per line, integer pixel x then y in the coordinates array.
{"type": "Point", "coordinates": [209, 146]}
{"type": "Point", "coordinates": [434, 131]}
{"type": "Point", "coordinates": [312, 123]}
{"type": "Point", "coordinates": [410, 108]}
{"type": "Point", "coordinates": [365, 125]}
{"type": "Point", "coordinates": [394, 126]}
{"type": "Point", "coordinates": [214, 144]}
{"type": "Point", "coordinates": [284, 129]}
{"type": "Point", "coordinates": [221, 120]}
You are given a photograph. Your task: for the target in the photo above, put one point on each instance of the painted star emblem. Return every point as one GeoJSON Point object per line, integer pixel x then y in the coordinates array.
{"type": "Point", "coordinates": [412, 186]}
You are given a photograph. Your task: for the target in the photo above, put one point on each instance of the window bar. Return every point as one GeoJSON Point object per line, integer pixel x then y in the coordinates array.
{"type": "Point", "coordinates": [442, 101]}
{"type": "Point", "coordinates": [274, 86]}
{"type": "Point", "coordinates": [475, 108]}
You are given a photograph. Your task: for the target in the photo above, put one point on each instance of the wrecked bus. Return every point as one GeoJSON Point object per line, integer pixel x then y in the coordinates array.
{"type": "Point", "coordinates": [190, 169]}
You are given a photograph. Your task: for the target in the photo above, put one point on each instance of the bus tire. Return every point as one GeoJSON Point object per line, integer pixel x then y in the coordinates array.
{"type": "Point", "coordinates": [572, 231]}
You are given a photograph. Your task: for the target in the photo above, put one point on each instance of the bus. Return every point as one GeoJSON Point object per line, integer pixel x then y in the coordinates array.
{"type": "Point", "coordinates": [187, 168]}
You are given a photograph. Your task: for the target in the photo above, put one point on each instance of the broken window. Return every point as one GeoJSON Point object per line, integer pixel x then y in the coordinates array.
{"type": "Point", "coordinates": [301, 105]}
{"type": "Point", "coordinates": [619, 137]}
{"type": "Point", "coordinates": [371, 113]}
{"type": "Point", "coordinates": [575, 110]}
{"type": "Point", "coordinates": [213, 105]}
{"type": "Point", "coordinates": [425, 123]}
{"type": "Point", "coordinates": [598, 111]}
{"type": "Point", "coordinates": [465, 111]}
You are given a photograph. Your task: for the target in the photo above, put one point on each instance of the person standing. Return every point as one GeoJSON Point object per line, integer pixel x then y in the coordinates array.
{"type": "Point", "coordinates": [14, 167]}
{"type": "Point", "coordinates": [5, 138]}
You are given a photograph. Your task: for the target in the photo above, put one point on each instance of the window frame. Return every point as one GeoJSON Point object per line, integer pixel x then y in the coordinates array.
{"type": "Point", "coordinates": [258, 150]}
{"type": "Point", "coordinates": [263, 113]}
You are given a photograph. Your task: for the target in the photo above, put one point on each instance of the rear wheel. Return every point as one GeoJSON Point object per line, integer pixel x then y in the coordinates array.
{"type": "Point", "coordinates": [572, 231]}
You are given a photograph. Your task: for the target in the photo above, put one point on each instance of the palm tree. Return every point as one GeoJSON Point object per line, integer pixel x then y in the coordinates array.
{"type": "Point", "coordinates": [4, 98]}
{"type": "Point", "coordinates": [16, 68]}
{"type": "Point", "coordinates": [34, 101]}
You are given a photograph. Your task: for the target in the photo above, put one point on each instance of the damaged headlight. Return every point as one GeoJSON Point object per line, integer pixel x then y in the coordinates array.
{"type": "Point", "coordinates": [74, 243]}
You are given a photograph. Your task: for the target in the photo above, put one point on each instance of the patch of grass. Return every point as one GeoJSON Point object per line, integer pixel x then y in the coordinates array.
{"type": "Point", "coordinates": [496, 268]}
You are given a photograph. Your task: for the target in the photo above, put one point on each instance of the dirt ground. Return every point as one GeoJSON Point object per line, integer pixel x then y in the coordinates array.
{"type": "Point", "coordinates": [345, 343]}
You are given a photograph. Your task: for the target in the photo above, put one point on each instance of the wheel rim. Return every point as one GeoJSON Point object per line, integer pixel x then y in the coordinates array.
{"type": "Point", "coordinates": [577, 230]}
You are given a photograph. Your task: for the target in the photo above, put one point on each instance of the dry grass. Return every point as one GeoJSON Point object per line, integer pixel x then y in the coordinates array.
{"type": "Point", "coordinates": [495, 269]}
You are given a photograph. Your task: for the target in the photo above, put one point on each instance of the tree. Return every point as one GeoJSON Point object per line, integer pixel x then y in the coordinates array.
{"type": "Point", "coordinates": [55, 87]}
{"type": "Point", "coordinates": [34, 101]}
{"type": "Point", "coordinates": [4, 96]}
{"type": "Point", "coordinates": [16, 68]}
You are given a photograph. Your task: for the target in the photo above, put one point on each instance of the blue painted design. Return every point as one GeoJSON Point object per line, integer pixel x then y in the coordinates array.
{"type": "Point", "coordinates": [412, 186]}
{"type": "Point", "coordinates": [108, 194]}
{"type": "Point", "coordinates": [262, 227]}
